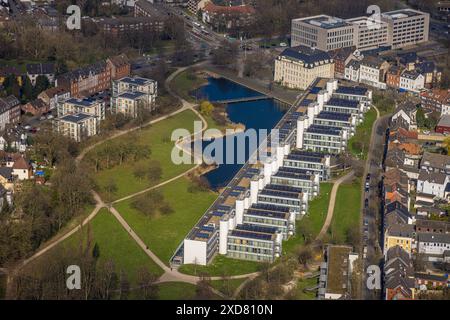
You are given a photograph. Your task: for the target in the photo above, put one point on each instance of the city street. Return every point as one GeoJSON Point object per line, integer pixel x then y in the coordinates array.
{"type": "Point", "coordinates": [371, 225]}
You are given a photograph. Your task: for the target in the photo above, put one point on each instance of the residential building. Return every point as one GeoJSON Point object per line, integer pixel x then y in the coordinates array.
{"type": "Point", "coordinates": [36, 107]}
{"type": "Point", "coordinates": [35, 70]}
{"type": "Point", "coordinates": [434, 183]}
{"type": "Point", "coordinates": [393, 77]}
{"type": "Point", "coordinates": [431, 73]}
{"type": "Point", "coordinates": [373, 72]}
{"type": "Point", "coordinates": [406, 115]}
{"type": "Point", "coordinates": [432, 226]}
{"type": "Point", "coordinates": [122, 26]}
{"type": "Point", "coordinates": [336, 273]}
{"type": "Point", "coordinates": [254, 243]}
{"type": "Point", "coordinates": [78, 126]}
{"type": "Point", "coordinates": [436, 100]}
{"type": "Point", "coordinates": [86, 81]}
{"type": "Point", "coordinates": [53, 96]}
{"type": "Point", "coordinates": [443, 125]}
{"type": "Point", "coordinates": [299, 66]}
{"type": "Point", "coordinates": [9, 111]}
{"type": "Point", "coordinates": [315, 162]}
{"type": "Point", "coordinates": [433, 245]}
{"type": "Point", "coordinates": [407, 27]}
{"type": "Point", "coordinates": [401, 235]}
{"type": "Point", "coordinates": [95, 108]}
{"type": "Point", "coordinates": [120, 66]}
{"type": "Point", "coordinates": [399, 281]}
{"type": "Point", "coordinates": [229, 17]}
{"type": "Point", "coordinates": [431, 281]}
{"type": "Point", "coordinates": [434, 162]}
{"type": "Point", "coordinates": [412, 81]}
{"type": "Point", "coordinates": [131, 93]}
{"type": "Point", "coordinates": [351, 71]}
{"type": "Point", "coordinates": [341, 58]}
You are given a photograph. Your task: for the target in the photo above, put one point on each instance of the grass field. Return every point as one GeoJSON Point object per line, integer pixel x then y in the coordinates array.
{"type": "Point", "coordinates": [163, 234]}
{"type": "Point", "coordinates": [358, 145]}
{"type": "Point", "coordinates": [115, 244]}
{"type": "Point", "coordinates": [316, 215]}
{"type": "Point", "coordinates": [183, 84]}
{"type": "Point", "coordinates": [158, 138]}
{"type": "Point", "coordinates": [347, 209]}
{"type": "Point", "coordinates": [305, 283]}
{"type": "Point", "coordinates": [176, 291]}
{"type": "Point", "coordinates": [222, 265]}
{"type": "Point", "coordinates": [227, 287]}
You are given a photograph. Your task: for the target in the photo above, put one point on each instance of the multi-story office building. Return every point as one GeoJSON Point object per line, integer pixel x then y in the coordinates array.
{"type": "Point", "coordinates": [95, 108]}
{"type": "Point", "coordinates": [131, 93]}
{"type": "Point", "coordinates": [323, 32]}
{"type": "Point", "coordinates": [398, 29]}
{"type": "Point", "coordinates": [370, 34]}
{"type": "Point", "coordinates": [407, 27]}
{"type": "Point", "coordinates": [298, 67]}
{"type": "Point", "coordinates": [77, 126]}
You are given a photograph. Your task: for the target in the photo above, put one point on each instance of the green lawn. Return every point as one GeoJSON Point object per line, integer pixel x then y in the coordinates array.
{"type": "Point", "coordinates": [306, 283]}
{"type": "Point", "coordinates": [316, 215]}
{"type": "Point", "coordinates": [347, 210]}
{"type": "Point", "coordinates": [222, 265]}
{"type": "Point", "coordinates": [227, 287]}
{"type": "Point", "coordinates": [115, 244]}
{"type": "Point", "coordinates": [358, 145]}
{"type": "Point", "coordinates": [163, 234]}
{"type": "Point", "coordinates": [185, 82]}
{"type": "Point", "coordinates": [158, 138]}
{"type": "Point", "coordinates": [176, 291]}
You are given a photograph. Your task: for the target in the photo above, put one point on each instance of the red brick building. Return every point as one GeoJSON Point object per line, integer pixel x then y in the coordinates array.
{"type": "Point", "coordinates": [222, 18]}
{"type": "Point", "coordinates": [436, 100]}
{"type": "Point", "coordinates": [120, 66]}
{"type": "Point", "coordinates": [393, 77]}
{"type": "Point", "coordinates": [341, 58]}
{"type": "Point", "coordinates": [443, 125]}
{"type": "Point", "coordinates": [86, 81]}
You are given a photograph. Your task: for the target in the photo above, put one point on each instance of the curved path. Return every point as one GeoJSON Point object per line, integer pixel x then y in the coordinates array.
{"type": "Point", "coordinates": [331, 204]}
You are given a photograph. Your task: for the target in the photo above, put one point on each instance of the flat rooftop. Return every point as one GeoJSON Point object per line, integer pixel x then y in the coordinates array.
{"type": "Point", "coordinates": [325, 21]}
{"type": "Point", "coordinates": [403, 13]}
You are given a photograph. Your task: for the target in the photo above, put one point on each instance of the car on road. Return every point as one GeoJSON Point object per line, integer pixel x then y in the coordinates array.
{"type": "Point", "coordinates": [365, 252]}
{"type": "Point", "coordinates": [50, 117]}
{"type": "Point", "coordinates": [366, 203]}
{"type": "Point", "coordinates": [366, 222]}
{"type": "Point", "coordinates": [283, 44]}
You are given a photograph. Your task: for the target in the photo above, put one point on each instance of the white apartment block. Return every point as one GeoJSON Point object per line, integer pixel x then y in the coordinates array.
{"type": "Point", "coordinates": [130, 93]}
{"type": "Point", "coordinates": [412, 81]}
{"type": "Point", "coordinates": [92, 107]}
{"type": "Point", "coordinates": [298, 67]}
{"type": "Point", "coordinates": [77, 126]}
{"type": "Point", "coordinates": [398, 29]}
{"type": "Point", "coordinates": [373, 72]}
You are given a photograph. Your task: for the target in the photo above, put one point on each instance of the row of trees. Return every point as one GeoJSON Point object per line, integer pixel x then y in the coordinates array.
{"type": "Point", "coordinates": [25, 91]}
{"type": "Point", "coordinates": [116, 152]}
{"type": "Point", "coordinates": [100, 277]}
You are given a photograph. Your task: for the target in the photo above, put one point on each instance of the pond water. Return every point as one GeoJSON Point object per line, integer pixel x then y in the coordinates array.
{"type": "Point", "coordinates": [260, 114]}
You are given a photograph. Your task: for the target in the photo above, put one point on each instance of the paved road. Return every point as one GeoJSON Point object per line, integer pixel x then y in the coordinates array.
{"type": "Point", "coordinates": [370, 227]}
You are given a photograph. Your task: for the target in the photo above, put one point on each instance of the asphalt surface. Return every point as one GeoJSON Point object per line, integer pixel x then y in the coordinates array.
{"type": "Point", "coordinates": [371, 227]}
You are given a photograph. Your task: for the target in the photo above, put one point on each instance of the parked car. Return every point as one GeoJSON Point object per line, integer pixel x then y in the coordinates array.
{"type": "Point", "coordinates": [366, 203]}
{"type": "Point", "coordinates": [283, 44]}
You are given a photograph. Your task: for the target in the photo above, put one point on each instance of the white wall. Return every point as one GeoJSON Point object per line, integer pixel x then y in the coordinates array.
{"type": "Point", "coordinates": [194, 252]}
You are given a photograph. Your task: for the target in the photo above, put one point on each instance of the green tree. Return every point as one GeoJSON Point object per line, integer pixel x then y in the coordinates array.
{"type": "Point", "coordinates": [42, 84]}
{"type": "Point", "coordinates": [206, 108]}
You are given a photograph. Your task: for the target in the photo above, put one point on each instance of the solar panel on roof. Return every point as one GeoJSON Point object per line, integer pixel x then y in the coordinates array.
{"type": "Point", "coordinates": [251, 235]}
{"type": "Point", "coordinates": [334, 116]}
{"type": "Point", "coordinates": [337, 102]}
{"type": "Point", "coordinates": [273, 207]}
{"type": "Point", "coordinates": [283, 188]}
{"type": "Point", "coordinates": [267, 213]}
{"type": "Point", "coordinates": [256, 228]}
{"type": "Point", "coordinates": [325, 130]}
